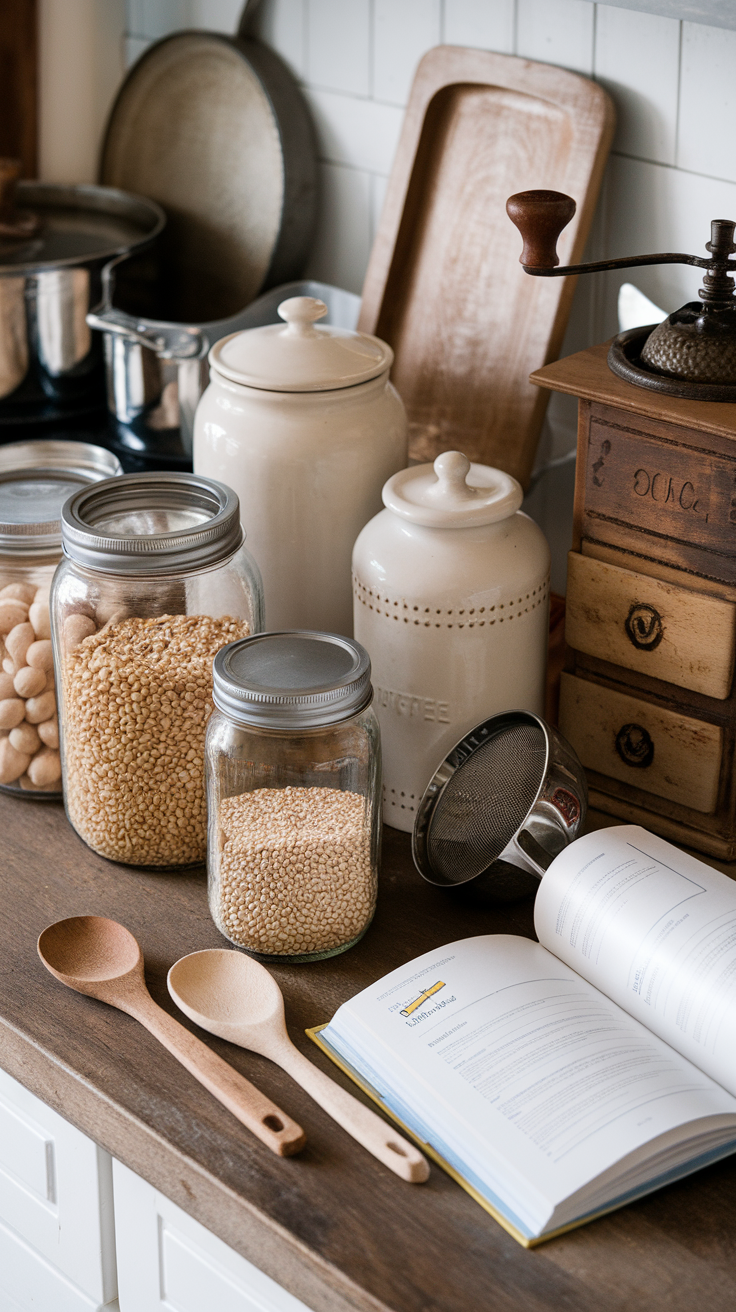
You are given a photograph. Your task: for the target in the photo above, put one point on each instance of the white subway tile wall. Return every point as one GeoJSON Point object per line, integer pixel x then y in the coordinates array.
{"type": "Point", "coordinates": [673, 165]}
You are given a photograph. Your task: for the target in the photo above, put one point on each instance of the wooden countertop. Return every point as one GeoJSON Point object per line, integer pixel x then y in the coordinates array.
{"type": "Point", "coordinates": [331, 1225]}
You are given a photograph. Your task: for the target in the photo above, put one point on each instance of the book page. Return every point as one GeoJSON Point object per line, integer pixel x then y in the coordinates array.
{"type": "Point", "coordinates": [518, 1066]}
{"type": "Point", "coordinates": [654, 929]}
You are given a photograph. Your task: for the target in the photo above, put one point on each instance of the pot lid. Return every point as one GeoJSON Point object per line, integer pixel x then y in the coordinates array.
{"type": "Point", "coordinates": [35, 480]}
{"type": "Point", "coordinates": [73, 225]}
{"type": "Point", "coordinates": [452, 493]}
{"type": "Point", "coordinates": [301, 356]}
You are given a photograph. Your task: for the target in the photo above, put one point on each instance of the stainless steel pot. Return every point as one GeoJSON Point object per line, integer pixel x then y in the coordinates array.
{"type": "Point", "coordinates": [50, 276]}
{"type": "Point", "coordinates": [157, 370]}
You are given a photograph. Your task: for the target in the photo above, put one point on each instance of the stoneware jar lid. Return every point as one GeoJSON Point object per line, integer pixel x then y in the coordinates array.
{"type": "Point", "coordinates": [35, 480]}
{"type": "Point", "coordinates": [297, 679]}
{"type": "Point", "coordinates": [452, 493]}
{"type": "Point", "coordinates": [152, 524]}
{"type": "Point", "coordinates": [300, 355]}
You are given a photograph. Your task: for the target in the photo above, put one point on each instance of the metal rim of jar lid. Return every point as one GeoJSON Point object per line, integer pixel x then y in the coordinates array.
{"type": "Point", "coordinates": [54, 465]}
{"type": "Point", "coordinates": [87, 535]}
{"type": "Point", "coordinates": [292, 679]}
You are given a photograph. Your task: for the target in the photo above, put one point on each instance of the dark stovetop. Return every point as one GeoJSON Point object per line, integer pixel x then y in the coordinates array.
{"type": "Point", "coordinates": [159, 451]}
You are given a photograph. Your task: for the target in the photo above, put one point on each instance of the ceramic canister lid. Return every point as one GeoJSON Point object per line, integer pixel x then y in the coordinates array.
{"type": "Point", "coordinates": [452, 493]}
{"type": "Point", "coordinates": [300, 355]}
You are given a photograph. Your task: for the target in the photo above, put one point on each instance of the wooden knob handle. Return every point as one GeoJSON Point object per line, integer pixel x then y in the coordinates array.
{"type": "Point", "coordinates": [540, 217]}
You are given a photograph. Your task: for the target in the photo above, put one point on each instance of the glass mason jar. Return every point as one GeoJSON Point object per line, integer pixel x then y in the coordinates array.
{"type": "Point", "coordinates": [293, 765]}
{"type": "Point", "coordinates": [35, 480]}
{"type": "Point", "coordinates": [154, 581]}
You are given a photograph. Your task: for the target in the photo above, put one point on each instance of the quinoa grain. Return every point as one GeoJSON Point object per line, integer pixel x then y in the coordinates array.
{"type": "Point", "coordinates": [294, 870]}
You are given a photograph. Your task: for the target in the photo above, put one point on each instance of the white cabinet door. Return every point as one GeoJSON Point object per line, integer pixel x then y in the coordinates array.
{"type": "Point", "coordinates": [57, 1240]}
{"type": "Point", "coordinates": [168, 1262]}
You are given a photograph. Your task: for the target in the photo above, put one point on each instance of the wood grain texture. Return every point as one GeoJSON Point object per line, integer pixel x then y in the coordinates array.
{"type": "Point", "coordinates": [586, 374]}
{"type": "Point", "coordinates": [332, 1225]}
{"type": "Point", "coordinates": [649, 747]}
{"type": "Point", "coordinates": [667, 631]}
{"type": "Point", "coordinates": [19, 84]}
{"type": "Point", "coordinates": [444, 285]}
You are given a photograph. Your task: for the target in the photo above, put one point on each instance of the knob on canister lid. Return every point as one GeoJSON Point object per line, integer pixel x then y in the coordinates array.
{"type": "Point", "coordinates": [452, 493]}
{"type": "Point", "coordinates": [300, 355]}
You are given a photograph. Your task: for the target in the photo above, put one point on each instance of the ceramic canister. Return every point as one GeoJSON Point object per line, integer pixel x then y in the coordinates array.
{"type": "Point", "coordinates": [300, 419]}
{"type": "Point", "coordinates": [451, 599]}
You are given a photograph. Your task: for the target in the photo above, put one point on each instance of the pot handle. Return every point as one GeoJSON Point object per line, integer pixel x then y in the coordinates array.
{"type": "Point", "coordinates": [168, 341]}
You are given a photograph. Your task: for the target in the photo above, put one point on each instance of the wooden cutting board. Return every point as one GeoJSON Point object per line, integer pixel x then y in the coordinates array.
{"type": "Point", "coordinates": [444, 285]}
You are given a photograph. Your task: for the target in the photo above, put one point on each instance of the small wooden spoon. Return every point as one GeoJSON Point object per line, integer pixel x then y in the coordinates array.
{"type": "Point", "coordinates": [233, 996]}
{"type": "Point", "coordinates": [101, 958]}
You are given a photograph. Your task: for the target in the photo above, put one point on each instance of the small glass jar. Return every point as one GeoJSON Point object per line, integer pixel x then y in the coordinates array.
{"type": "Point", "coordinates": [154, 581]}
{"type": "Point", "coordinates": [293, 766]}
{"type": "Point", "coordinates": [35, 480]}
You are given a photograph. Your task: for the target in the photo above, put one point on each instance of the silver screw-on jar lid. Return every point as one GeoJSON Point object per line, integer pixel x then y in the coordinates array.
{"type": "Point", "coordinates": [147, 524]}
{"type": "Point", "coordinates": [292, 680]}
{"type": "Point", "coordinates": [36, 478]}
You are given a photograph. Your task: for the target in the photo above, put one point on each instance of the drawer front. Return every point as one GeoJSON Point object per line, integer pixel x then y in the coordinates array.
{"type": "Point", "coordinates": [653, 749]}
{"type": "Point", "coordinates": [56, 1198]}
{"type": "Point", "coordinates": [668, 489]}
{"type": "Point", "coordinates": [656, 628]}
{"type": "Point", "coordinates": [168, 1262]}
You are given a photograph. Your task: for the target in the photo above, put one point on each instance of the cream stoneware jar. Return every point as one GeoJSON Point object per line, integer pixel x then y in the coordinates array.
{"type": "Point", "coordinates": [451, 600]}
{"type": "Point", "coordinates": [300, 419]}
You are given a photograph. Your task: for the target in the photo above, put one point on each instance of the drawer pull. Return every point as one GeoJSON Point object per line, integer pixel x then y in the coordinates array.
{"type": "Point", "coordinates": [634, 745]}
{"type": "Point", "coordinates": [644, 626]}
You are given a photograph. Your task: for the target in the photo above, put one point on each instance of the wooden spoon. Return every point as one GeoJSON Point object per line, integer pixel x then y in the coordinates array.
{"type": "Point", "coordinates": [101, 958]}
{"type": "Point", "coordinates": [233, 996]}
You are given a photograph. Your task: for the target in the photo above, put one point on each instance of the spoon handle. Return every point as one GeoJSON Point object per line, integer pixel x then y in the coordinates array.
{"type": "Point", "coordinates": [269, 1124]}
{"type": "Point", "coordinates": [400, 1156]}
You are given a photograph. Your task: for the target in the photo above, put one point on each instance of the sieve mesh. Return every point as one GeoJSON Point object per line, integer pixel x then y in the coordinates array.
{"type": "Point", "coordinates": [485, 802]}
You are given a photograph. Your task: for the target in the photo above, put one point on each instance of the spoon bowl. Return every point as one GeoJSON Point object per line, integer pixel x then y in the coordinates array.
{"type": "Point", "coordinates": [225, 988]}
{"type": "Point", "coordinates": [85, 950]}
{"type": "Point", "coordinates": [233, 996]}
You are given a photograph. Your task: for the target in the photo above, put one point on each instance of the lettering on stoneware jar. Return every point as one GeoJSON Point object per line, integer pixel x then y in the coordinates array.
{"type": "Point", "coordinates": [634, 745]}
{"type": "Point", "coordinates": [666, 489]}
{"type": "Point", "coordinates": [644, 627]}
{"type": "Point", "coordinates": [410, 706]}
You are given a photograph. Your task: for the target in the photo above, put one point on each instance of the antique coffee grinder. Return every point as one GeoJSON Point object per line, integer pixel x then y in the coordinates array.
{"type": "Point", "coordinates": [647, 698]}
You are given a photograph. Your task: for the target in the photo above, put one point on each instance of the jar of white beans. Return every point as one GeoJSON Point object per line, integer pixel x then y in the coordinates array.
{"type": "Point", "coordinates": [35, 480]}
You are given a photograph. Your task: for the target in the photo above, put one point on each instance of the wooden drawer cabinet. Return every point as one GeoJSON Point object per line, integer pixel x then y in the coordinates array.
{"type": "Point", "coordinates": [650, 747]}
{"type": "Point", "coordinates": [667, 631]}
{"type": "Point", "coordinates": [648, 698]}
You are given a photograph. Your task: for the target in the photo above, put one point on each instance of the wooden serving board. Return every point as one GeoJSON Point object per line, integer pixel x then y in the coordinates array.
{"type": "Point", "coordinates": [444, 285]}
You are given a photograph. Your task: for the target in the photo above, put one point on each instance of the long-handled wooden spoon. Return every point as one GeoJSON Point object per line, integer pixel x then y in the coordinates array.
{"type": "Point", "coordinates": [101, 958]}
{"type": "Point", "coordinates": [233, 996]}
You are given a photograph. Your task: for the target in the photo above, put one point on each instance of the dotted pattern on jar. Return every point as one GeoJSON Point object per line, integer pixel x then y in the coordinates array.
{"type": "Point", "coordinates": [457, 617]}
{"type": "Point", "coordinates": [294, 870]}
{"type": "Point", "coordinates": [29, 727]}
{"type": "Point", "coordinates": [137, 696]}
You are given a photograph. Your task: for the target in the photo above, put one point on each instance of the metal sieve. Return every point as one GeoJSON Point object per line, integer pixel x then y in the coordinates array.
{"type": "Point", "coordinates": [507, 799]}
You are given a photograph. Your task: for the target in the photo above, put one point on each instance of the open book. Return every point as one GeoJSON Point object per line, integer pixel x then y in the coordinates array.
{"type": "Point", "coordinates": [561, 1079]}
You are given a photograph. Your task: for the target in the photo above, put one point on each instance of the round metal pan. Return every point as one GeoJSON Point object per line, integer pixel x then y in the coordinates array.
{"type": "Point", "coordinates": [215, 129]}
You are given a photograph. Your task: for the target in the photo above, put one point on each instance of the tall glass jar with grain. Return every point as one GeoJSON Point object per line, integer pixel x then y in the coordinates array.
{"type": "Point", "coordinates": [35, 480]}
{"type": "Point", "coordinates": [293, 786]}
{"type": "Point", "coordinates": [155, 581]}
